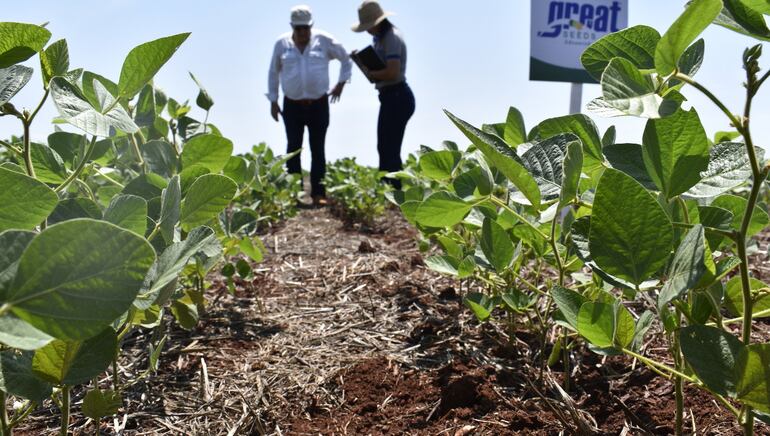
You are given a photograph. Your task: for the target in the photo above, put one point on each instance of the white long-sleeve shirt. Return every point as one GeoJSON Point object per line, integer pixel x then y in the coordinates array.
{"type": "Point", "coordinates": [305, 75]}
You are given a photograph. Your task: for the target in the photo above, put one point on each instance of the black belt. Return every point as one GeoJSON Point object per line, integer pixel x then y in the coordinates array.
{"type": "Point", "coordinates": [307, 101]}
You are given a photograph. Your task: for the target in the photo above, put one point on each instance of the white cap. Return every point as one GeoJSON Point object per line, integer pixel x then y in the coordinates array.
{"type": "Point", "coordinates": [301, 16]}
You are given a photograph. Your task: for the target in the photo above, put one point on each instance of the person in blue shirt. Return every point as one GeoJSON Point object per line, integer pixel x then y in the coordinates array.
{"type": "Point", "coordinates": [396, 99]}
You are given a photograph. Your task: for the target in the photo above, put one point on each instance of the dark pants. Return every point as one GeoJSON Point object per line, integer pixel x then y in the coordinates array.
{"type": "Point", "coordinates": [396, 107]}
{"type": "Point", "coordinates": [314, 115]}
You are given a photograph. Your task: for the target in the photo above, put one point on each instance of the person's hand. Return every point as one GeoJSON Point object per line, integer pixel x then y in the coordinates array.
{"type": "Point", "coordinates": [336, 92]}
{"type": "Point", "coordinates": [275, 110]}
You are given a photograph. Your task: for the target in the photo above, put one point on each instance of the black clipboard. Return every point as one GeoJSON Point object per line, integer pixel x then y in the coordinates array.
{"type": "Point", "coordinates": [367, 59]}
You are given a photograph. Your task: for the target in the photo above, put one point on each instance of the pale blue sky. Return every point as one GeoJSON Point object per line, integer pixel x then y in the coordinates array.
{"type": "Point", "coordinates": [469, 57]}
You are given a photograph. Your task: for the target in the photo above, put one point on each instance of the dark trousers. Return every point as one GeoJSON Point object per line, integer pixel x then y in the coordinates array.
{"type": "Point", "coordinates": [315, 115]}
{"type": "Point", "coordinates": [396, 107]}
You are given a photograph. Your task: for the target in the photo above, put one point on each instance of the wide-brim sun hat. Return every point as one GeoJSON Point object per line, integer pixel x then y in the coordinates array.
{"type": "Point", "coordinates": [370, 14]}
{"type": "Point", "coordinates": [301, 16]}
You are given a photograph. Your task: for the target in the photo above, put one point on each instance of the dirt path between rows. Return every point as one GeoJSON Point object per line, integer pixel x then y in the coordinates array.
{"type": "Point", "coordinates": [343, 332]}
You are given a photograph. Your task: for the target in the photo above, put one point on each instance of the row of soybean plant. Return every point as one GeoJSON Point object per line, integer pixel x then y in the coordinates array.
{"type": "Point", "coordinates": [104, 230]}
{"type": "Point", "coordinates": [658, 224]}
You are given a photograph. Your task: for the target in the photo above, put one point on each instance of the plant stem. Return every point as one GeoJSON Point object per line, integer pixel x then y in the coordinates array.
{"type": "Point", "coordinates": [28, 150]}
{"type": "Point", "coordinates": [75, 174]}
{"type": "Point", "coordinates": [678, 392]}
{"type": "Point", "coordinates": [65, 410]}
{"type": "Point", "coordinates": [4, 428]}
{"type": "Point", "coordinates": [649, 362]}
{"type": "Point", "coordinates": [13, 148]}
{"type": "Point", "coordinates": [690, 81]}
{"type": "Point", "coordinates": [502, 204]}
{"type": "Point", "coordinates": [139, 158]}
{"type": "Point", "coordinates": [39, 105]}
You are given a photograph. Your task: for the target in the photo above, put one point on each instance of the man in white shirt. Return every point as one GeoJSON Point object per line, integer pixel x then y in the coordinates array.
{"type": "Point", "coordinates": [301, 64]}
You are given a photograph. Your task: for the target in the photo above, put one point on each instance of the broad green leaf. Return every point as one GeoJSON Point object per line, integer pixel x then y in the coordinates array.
{"type": "Point", "coordinates": [67, 145]}
{"type": "Point", "coordinates": [186, 314]}
{"type": "Point", "coordinates": [742, 17]}
{"type": "Point", "coordinates": [19, 334]}
{"type": "Point", "coordinates": [696, 17]}
{"type": "Point", "coordinates": [676, 151]}
{"type": "Point", "coordinates": [609, 137]}
{"type": "Point", "coordinates": [737, 205]}
{"type": "Point", "coordinates": [571, 170]}
{"type": "Point", "coordinates": [442, 209]}
{"type": "Point", "coordinates": [636, 44]}
{"type": "Point", "coordinates": [249, 248]}
{"type": "Point", "coordinates": [728, 167]}
{"type": "Point", "coordinates": [72, 208]}
{"type": "Point", "coordinates": [128, 212]}
{"type": "Point", "coordinates": [692, 58]}
{"type": "Point", "coordinates": [629, 159]}
{"type": "Point", "coordinates": [204, 100]}
{"type": "Point", "coordinates": [170, 209]}
{"type": "Point", "coordinates": [579, 233]}
{"type": "Point", "coordinates": [496, 245]}
{"type": "Point", "coordinates": [78, 111]}
{"type": "Point", "coordinates": [474, 179]}
{"type": "Point", "coordinates": [98, 404]}
{"type": "Point", "coordinates": [569, 303]}
{"type": "Point", "coordinates": [596, 323]}
{"type": "Point", "coordinates": [687, 267]}
{"type": "Point", "coordinates": [753, 365]}
{"type": "Point", "coordinates": [237, 168]}
{"type": "Point", "coordinates": [54, 61]}
{"type": "Point", "coordinates": [147, 186]}
{"type": "Point", "coordinates": [71, 290]}
{"type": "Point", "coordinates": [170, 263]}
{"type": "Point", "coordinates": [207, 196]}
{"type": "Point", "coordinates": [17, 378]}
{"type": "Point", "coordinates": [760, 295]}
{"type": "Point", "coordinates": [89, 79]}
{"type": "Point", "coordinates": [626, 91]}
{"type": "Point", "coordinates": [715, 217]}
{"type": "Point", "coordinates": [48, 165]}
{"type": "Point", "coordinates": [76, 362]}
{"type": "Point", "coordinates": [501, 156]}
{"type": "Point", "coordinates": [439, 165]}
{"type": "Point", "coordinates": [144, 61]}
{"type": "Point", "coordinates": [712, 354]}
{"type": "Point", "coordinates": [762, 6]}
{"type": "Point", "coordinates": [144, 110]}
{"type": "Point", "coordinates": [12, 79]}
{"type": "Point", "coordinates": [20, 41]}
{"type": "Point", "coordinates": [26, 201]}
{"type": "Point", "coordinates": [631, 235]}
{"type": "Point", "coordinates": [160, 157]}
{"type": "Point", "coordinates": [544, 161]}
{"type": "Point", "coordinates": [208, 151]}
{"type": "Point", "coordinates": [581, 126]}
{"type": "Point", "coordinates": [480, 305]}
{"type": "Point", "coordinates": [466, 267]}
{"type": "Point", "coordinates": [443, 264]}
{"type": "Point", "coordinates": [12, 245]}
{"type": "Point", "coordinates": [625, 326]}
{"type": "Point", "coordinates": [514, 132]}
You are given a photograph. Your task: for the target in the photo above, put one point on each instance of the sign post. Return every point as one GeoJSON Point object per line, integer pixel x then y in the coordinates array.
{"type": "Point", "coordinates": [561, 30]}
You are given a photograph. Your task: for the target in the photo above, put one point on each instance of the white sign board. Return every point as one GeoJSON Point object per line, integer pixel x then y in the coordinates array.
{"type": "Point", "coordinates": [561, 30]}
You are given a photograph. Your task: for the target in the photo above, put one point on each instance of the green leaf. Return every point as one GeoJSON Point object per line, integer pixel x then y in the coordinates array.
{"type": "Point", "coordinates": [208, 196]}
{"type": "Point", "coordinates": [728, 167]}
{"type": "Point", "coordinates": [17, 378]}
{"type": "Point", "coordinates": [687, 267]}
{"type": "Point", "coordinates": [629, 159]}
{"type": "Point", "coordinates": [676, 151]}
{"type": "Point", "coordinates": [737, 205]}
{"type": "Point", "coordinates": [635, 44]}
{"type": "Point", "coordinates": [626, 91]}
{"type": "Point", "coordinates": [19, 334]}
{"type": "Point", "coordinates": [26, 201]}
{"type": "Point", "coordinates": [502, 157]}
{"type": "Point", "coordinates": [692, 58]}
{"type": "Point", "coordinates": [128, 212]}
{"type": "Point", "coordinates": [442, 209]}
{"type": "Point", "coordinates": [761, 6]}
{"type": "Point", "coordinates": [439, 165]}
{"type": "Point", "coordinates": [753, 366]}
{"type": "Point", "coordinates": [237, 168]}
{"type": "Point", "coordinates": [514, 132]}
{"type": "Point", "coordinates": [72, 208]}
{"type": "Point", "coordinates": [480, 305]}
{"type": "Point", "coordinates": [474, 179]}
{"type": "Point", "coordinates": [147, 186]}
{"type": "Point", "coordinates": [144, 110]}
{"type": "Point", "coordinates": [12, 79]}
{"type": "Point", "coordinates": [170, 263]}
{"type": "Point", "coordinates": [78, 111]}
{"type": "Point", "coordinates": [89, 79]}
{"type": "Point", "coordinates": [544, 161]}
{"type": "Point", "coordinates": [170, 209]}
{"type": "Point", "coordinates": [54, 61]}
{"type": "Point", "coordinates": [185, 314]}
{"type": "Point", "coordinates": [581, 126]}
{"type": "Point", "coordinates": [20, 41]}
{"type": "Point", "coordinates": [579, 232]}
{"type": "Point", "coordinates": [694, 20]}
{"type": "Point", "coordinates": [609, 137]}
{"type": "Point", "coordinates": [144, 61]}
{"type": "Point", "coordinates": [67, 288]}
{"type": "Point", "coordinates": [569, 303]}
{"type": "Point", "coordinates": [496, 245]}
{"type": "Point", "coordinates": [249, 248]}
{"type": "Point", "coordinates": [98, 403]}
{"type": "Point", "coordinates": [571, 170]}
{"type": "Point", "coordinates": [204, 100]}
{"type": "Point", "coordinates": [443, 264]}
{"type": "Point", "coordinates": [160, 157]}
{"type": "Point", "coordinates": [48, 165]}
{"type": "Point", "coordinates": [760, 294]}
{"type": "Point", "coordinates": [742, 17]}
{"type": "Point", "coordinates": [208, 151]}
{"type": "Point", "coordinates": [76, 362]}
{"type": "Point", "coordinates": [606, 325]}
{"type": "Point", "coordinates": [12, 245]}
{"type": "Point", "coordinates": [631, 235]}
{"type": "Point", "coordinates": [712, 354]}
